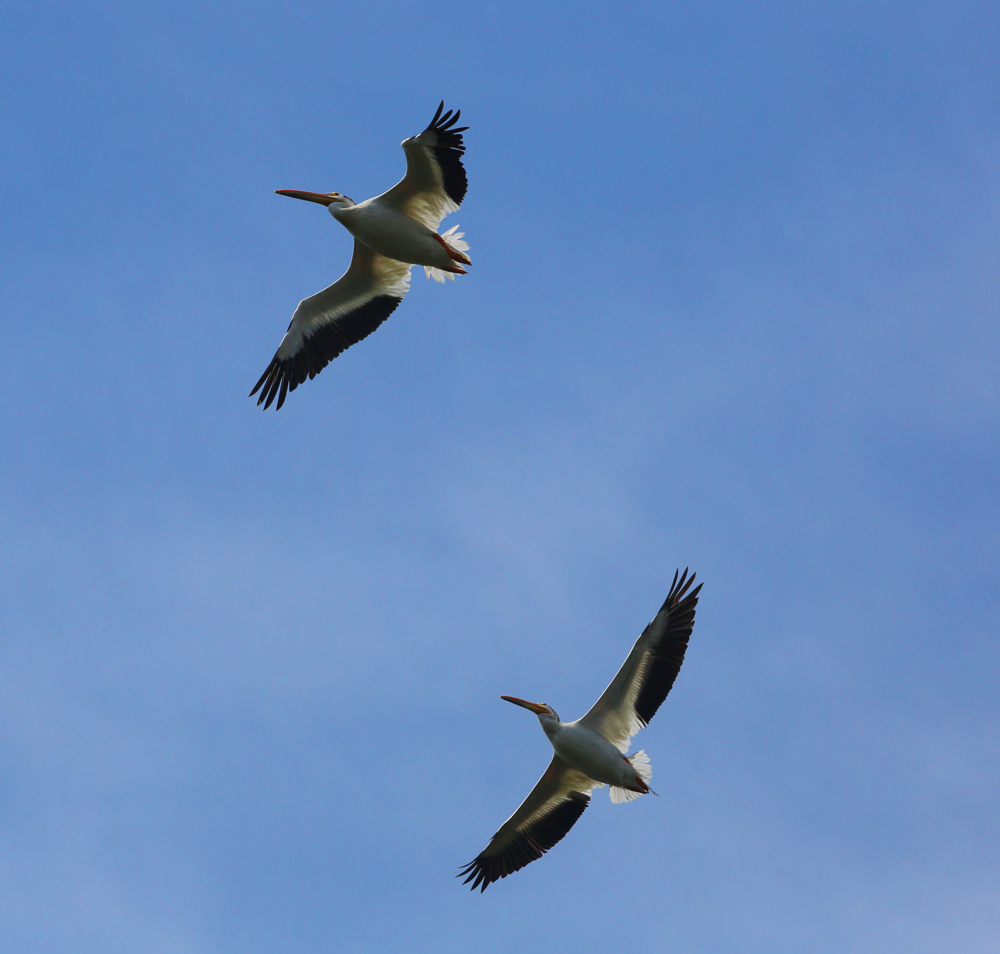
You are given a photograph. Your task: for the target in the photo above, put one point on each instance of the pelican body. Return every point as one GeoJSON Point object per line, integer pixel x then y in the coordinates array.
{"type": "Point", "coordinates": [593, 751]}
{"type": "Point", "coordinates": [585, 750]}
{"type": "Point", "coordinates": [385, 229]}
{"type": "Point", "coordinates": [392, 233]}
{"type": "Point", "coordinates": [389, 233]}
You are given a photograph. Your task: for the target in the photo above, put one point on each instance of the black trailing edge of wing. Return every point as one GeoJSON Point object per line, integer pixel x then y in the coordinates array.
{"type": "Point", "coordinates": [448, 151]}
{"type": "Point", "coordinates": [528, 846]}
{"type": "Point", "coordinates": [320, 348]}
{"type": "Point", "coordinates": [668, 654]}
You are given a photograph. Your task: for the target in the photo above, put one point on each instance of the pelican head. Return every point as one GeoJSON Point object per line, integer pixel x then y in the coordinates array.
{"type": "Point", "coordinates": [334, 201]}
{"type": "Point", "coordinates": [543, 710]}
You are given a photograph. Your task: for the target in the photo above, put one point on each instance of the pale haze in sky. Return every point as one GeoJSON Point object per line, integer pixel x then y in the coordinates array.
{"type": "Point", "coordinates": [733, 306]}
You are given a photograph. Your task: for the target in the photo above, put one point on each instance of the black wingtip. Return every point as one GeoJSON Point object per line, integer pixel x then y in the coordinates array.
{"type": "Point", "coordinates": [319, 348]}
{"type": "Point", "coordinates": [667, 654]}
{"type": "Point", "coordinates": [268, 384]}
{"type": "Point", "coordinates": [680, 585]}
{"type": "Point", "coordinates": [263, 378]}
{"type": "Point", "coordinates": [448, 149]}
{"type": "Point", "coordinates": [444, 121]}
{"type": "Point", "coordinates": [528, 846]}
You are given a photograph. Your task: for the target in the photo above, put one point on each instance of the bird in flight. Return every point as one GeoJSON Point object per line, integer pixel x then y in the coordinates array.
{"type": "Point", "coordinates": [592, 752]}
{"type": "Point", "coordinates": [392, 232]}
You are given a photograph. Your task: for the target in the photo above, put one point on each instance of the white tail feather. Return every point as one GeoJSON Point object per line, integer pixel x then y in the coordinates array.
{"type": "Point", "coordinates": [454, 239]}
{"type": "Point", "coordinates": [640, 762]}
{"type": "Point", "coordinates": [619, 795]}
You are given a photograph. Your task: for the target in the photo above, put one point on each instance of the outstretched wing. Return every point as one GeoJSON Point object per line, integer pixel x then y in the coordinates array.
{"type": "Point", "coordinates": [435, 182]}
{"type": "Point", "coordinates": [550, 810]}
{"type": "Point", "coordinates": [332, 320]}
{"type": "Point", "coordinates": [650, 669]}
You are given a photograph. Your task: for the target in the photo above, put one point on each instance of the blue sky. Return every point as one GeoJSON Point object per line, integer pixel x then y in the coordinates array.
{"type": "Point", "coordinates": [734, 306]}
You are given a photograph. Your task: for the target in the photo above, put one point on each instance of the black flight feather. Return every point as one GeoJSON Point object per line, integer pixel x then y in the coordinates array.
{"type": "Point", "coordinates": [448, 151]}
{"type": "Point", "coordinates": [668, 653]}
{"type": "Point", "coordinates": [528, 845]}
{"type": "Point", "coordinates": [320, 348]}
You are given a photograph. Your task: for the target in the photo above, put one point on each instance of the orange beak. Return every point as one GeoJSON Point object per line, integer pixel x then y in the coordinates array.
{"type": "Point", "coordinates": [308, 196]}
{"type": "Point", "coordinates": [533, 706]}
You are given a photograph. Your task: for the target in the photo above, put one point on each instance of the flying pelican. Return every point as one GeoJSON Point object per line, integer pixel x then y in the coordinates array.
{"type": "Point", "coordinates": [591, 752]}
{"type": "Point", "coordinates": [392, 232]}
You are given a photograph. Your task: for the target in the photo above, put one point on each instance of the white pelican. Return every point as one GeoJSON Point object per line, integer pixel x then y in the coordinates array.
{"type": "Point", "coordinates": [591, 752]}
{"type": "Point", "coordinates": [392, 232]}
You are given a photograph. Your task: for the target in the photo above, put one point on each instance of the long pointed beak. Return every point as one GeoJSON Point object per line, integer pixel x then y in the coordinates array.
{"type": "Point", "coordinates": [308, 196]}
{"type": "Point", "coordinates": [533, 706]}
